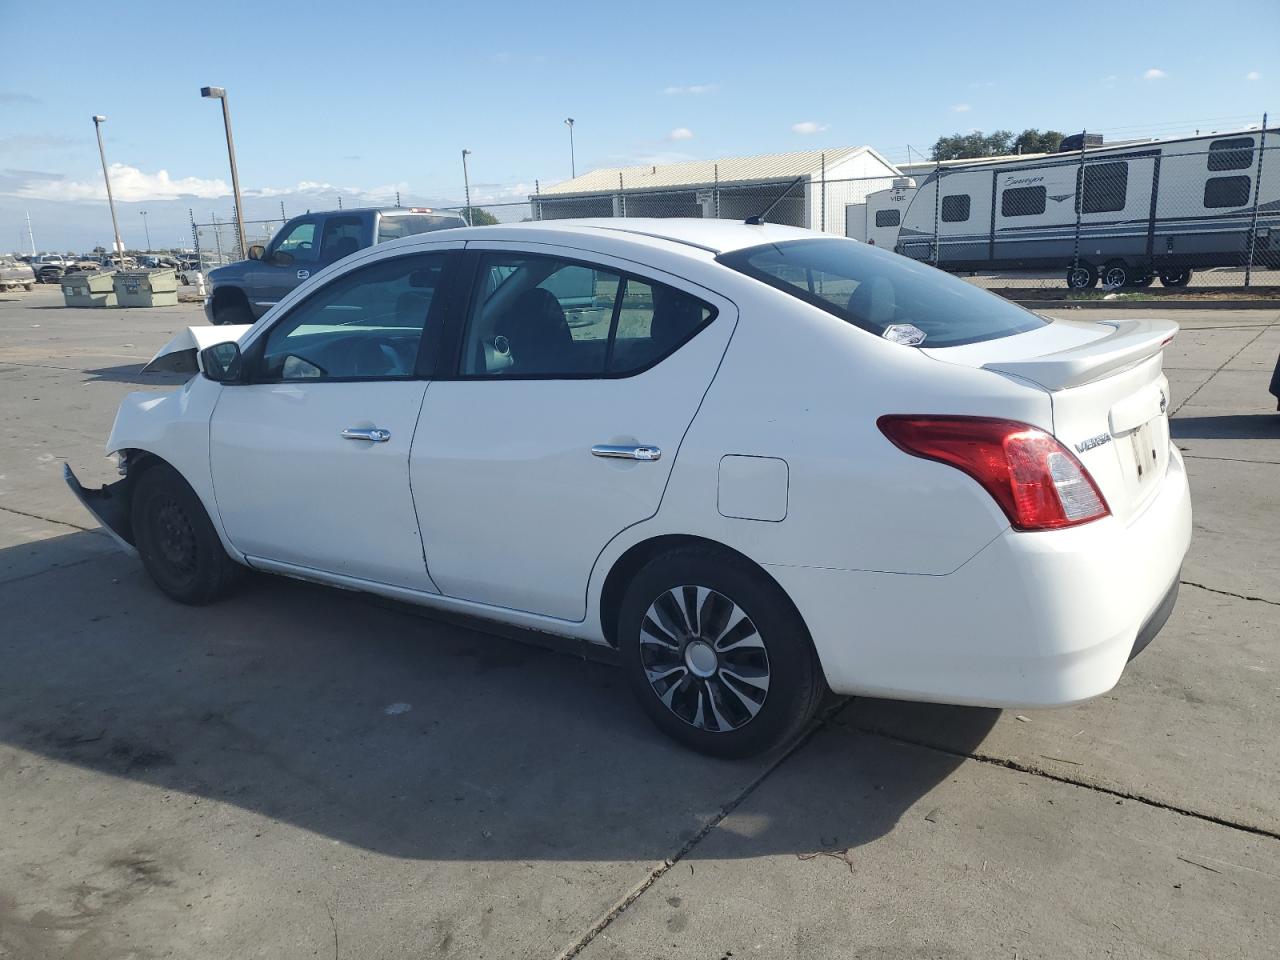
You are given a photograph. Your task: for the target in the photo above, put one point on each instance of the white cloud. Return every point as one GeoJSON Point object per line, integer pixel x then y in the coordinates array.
{"type": "Point", "coordinates": [680, 133]}
{"type": "Point", "coordinates": [1253, 75]}
{"type": "Point", "coordinates": [128, 184]}
{"type": "Point", "coordinates": [960, 108]}
{"type": "Point", "coordinates": [807, 127]}
{"type": "Point", "coordinates": [1155, 73]}
{"type": "Point", "coordinates": [694, 88]}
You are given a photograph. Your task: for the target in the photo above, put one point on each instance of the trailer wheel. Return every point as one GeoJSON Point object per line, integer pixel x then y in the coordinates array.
{"type": "Point", "coordinates": [1116, 274]}
{"type": "Point", "coordinates": [1082, 276]}
{"type": "Point", "coordinates": [1175, 277]}
{"type": "Point", "coordinates": [1142, 283]}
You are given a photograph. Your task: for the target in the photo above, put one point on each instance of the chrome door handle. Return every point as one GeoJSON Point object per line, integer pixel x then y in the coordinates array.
{"type": "Point", "coordinates": [373, 435]}
{"type": "Point", "coordinates": [615, 451]}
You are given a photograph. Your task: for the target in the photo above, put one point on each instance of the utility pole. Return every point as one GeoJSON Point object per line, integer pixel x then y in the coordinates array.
{"type": "Point", "coordinates": [98, 121]}
{"type": "Point", "coordinates": [146, 229]}
{"type": "Point", "coordinates": [466, 185]}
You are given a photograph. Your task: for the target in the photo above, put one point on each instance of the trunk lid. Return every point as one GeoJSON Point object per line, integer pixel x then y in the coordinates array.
{"type": "Point", "coordinates": [1108, 391]}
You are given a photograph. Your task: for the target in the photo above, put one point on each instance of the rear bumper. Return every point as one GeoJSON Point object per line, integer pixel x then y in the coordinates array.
{"type": "Point", "coordinates": [1034, 619]}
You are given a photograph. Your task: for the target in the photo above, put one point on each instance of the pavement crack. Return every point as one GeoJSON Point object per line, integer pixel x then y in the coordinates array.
{"type": "Point", "coordinates": [36, 516]}
{"type": "Point", "coordinates": [1229, 593]}
{"type": "Point", "coordinates": [1036, 771]}
{"type": "Point", "coordinates": [1196, 456]}
{"type": "Point", "coordinates": [658, 872]}
{"type": "Point", "coordinates": [1220, 368]}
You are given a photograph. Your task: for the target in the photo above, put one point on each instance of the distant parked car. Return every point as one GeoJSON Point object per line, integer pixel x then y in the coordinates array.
{"type": "Point", "coordinates": [50, 267]}
{"type": "Point", "coordinates": [14, 274]}
{"type": "Point", "coordinates": [241, 292]}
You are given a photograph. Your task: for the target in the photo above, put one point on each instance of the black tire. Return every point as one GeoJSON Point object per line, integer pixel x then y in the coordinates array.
{"type": "Point", "coordinates": [710, 701]}
{"type": "Point", "coordinates": [1083, 276]}
{"type": "Point", "coordinates": [1117, 274]}
{"type": "Point", "coordinates": [1141, 283]}
{"type": "Point", "coordinates": [176, 540]}
{"type": "Point", "coordinates": [28, 287]}
{"type": "Point", "coordinates": [231, 307]}
{"type": "Point", "coordinates": [1175, 276]}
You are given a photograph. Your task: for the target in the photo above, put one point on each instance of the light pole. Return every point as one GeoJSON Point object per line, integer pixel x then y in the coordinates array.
{"type": "Point", "coordinates": [98, 121]}
{"type": "Point", "coordinates": [573, 165]}
{"type": "Point", "coordinates": [466, 184]}
{"type": "Point", "coordinates": [218, 93]}
{"type": "Point", "coordinates": [146, 229]}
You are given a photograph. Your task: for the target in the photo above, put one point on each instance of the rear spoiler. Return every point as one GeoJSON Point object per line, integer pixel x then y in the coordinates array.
{"type": "Point", "coordinates": [1132, 342]}
{"type": "Point", "coordinates": [181, 354]}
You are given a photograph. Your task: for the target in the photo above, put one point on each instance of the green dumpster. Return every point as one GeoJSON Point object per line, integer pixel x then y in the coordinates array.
{"type": "Point", "coordinates": [147, 288]}
{"type": "Point", "coordinates": [89, 290]}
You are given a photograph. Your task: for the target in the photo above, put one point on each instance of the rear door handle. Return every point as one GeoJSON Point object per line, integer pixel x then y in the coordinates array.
{"type": "Point", "coordinates": [372, 434]}
{"type": "Point", "coordinates": [615, 451]}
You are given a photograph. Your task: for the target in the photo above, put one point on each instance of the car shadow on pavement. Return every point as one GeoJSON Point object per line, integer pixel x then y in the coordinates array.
{"type": "Point", "coordinates": [402, 735]}
{"type": "Point", "coordinates": [1227, 426]}
{"type": "Point", "coordinates": [132, 373]}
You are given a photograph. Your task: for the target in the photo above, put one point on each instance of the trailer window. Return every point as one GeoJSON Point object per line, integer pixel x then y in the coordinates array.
{"type": "Point", "coordinates": [955, 208]}
{"type": "Point", "coordinates": [888, 218]}
{"type": "Point", "coordinates": [1233, 154]}
{"type": "Point", "coordinates": [873, 289]}
{"type": "Point", "coordinates": [1226, 191]}
{"type": "Point", "coordinates": [1103, 188]}
{"type": "Point", "coordinates": [1022, 202]}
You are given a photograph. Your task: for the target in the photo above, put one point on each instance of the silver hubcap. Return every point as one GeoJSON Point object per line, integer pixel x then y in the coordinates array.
{"type": "Point", "coordinates": [704, 658]}
{"type": "Point", "coordinates": [1115, 277]}
{"type": "Point", "coordinates": [1079, 277]}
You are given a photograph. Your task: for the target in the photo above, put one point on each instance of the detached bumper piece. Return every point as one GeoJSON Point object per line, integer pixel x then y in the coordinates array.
{"type": "Point", "coordinates": [1155, 623]}
{"type": "Point", "coordinates": [109, 506]}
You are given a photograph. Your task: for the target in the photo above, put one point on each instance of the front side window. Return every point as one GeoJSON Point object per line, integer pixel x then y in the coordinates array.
{"type": "Point", "coordinates": [1227, 191]}
{"type": "Point", "coordinates": [1101, 187]}
{"type": "Point", "coordinates": [1233, 154]}
{"type": "Point", "coordinates": [366, 324]}
{"type": "Point", "coordinates": [955, 208]}
{"type": "Point", "coordinates": [874, 290]}
{"type": "Point", "coordinates": [1022, 202]}
{"type": "Point", "coordinates": [538, 316]}
{"type": "Point", "coordinates": [888, 218]}
{"type": "Point", "coordinates": [299, 244]}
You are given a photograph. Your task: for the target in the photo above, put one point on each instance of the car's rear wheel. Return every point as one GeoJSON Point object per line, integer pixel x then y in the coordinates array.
{"type": "Point", "coordinates": [717, 655]}
{"type": "Point", "coordinates": [176, 540]}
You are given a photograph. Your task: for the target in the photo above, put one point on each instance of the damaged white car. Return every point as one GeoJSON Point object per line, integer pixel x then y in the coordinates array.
{"type": "Point", "coordinates": [756, 461]}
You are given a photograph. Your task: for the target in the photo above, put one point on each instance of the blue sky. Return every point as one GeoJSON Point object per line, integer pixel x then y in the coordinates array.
{"type": "Point", "coordinates": [369, 98]}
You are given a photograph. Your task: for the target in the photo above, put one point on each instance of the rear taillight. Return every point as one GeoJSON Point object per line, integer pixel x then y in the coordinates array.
{"type": "Point", "coordinates": [1037, 481]}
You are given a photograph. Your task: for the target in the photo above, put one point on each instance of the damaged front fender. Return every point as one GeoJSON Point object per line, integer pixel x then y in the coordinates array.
{"type": "Point", "coordinates": [109, 506]}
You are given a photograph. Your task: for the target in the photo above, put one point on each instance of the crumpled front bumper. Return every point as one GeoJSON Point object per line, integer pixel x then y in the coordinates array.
{"type": "Point", "coordinates": [109, 506]}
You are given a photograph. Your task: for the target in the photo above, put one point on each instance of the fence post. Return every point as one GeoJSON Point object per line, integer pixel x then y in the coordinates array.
{"type": "Point", "coordinates": [537, 204]}
{"type": "Point", "coordinates": [937, 200]}
{"type": "Point", "coordinates": [822, 193]}
{"type": "Point", "coordinates": [1075, 252]}
{"type": "Point", "coordinates": [1257, 189]}
{"type": "Point", "coordinates": [622, 197]}
{"type": "Point", "coordinates": [217, 237]}
{"type": "Point", "coordinates": [195, 237]}
{"type": "Point", "coordinates": [282, 213]}
{"type": "Point", "coordinates": [715, 191]}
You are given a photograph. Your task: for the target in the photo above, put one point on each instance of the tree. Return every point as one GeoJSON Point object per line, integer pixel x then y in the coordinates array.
{"type": "Point", "coordinates": [478, 216]}
{"type": "Point", "coordinates": [975, 145]}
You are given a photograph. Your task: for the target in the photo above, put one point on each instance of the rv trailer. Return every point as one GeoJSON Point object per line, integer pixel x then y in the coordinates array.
{"type": "Point", "coordinates": [878, 216]}
{"type": "Point", "coordinates": [1153, 208]}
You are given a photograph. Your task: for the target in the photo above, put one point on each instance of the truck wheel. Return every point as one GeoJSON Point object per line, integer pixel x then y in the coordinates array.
{"type": "Point", "coordinates": [231, 307]}
{"type": "Point", "coordinates": [1175, 277]}
{"type": "Point", "coordinates": [1082, 276]}
{"type": "Point", "coordinates": [28, 287]}
{"type": "Point", "coordinates": [1141, 283]}
{"type": "Point", "coordinates": [1116, 274]}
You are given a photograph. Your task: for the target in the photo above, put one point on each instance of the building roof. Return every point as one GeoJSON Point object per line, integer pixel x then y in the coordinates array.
{"type": "Point", "coordinates": [699, 173]}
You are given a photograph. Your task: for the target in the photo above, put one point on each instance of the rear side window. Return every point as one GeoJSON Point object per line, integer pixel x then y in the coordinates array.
{"type": "Point", "coordinates": [888, 218]}
{"type": "Point", "coordinates": [1226, 191]}
{"type": "Point", "coordinates": [1101, 187]}
{"type": "Point", "coordinates": [394, 226]}
{"type": "Point", "coordinates": [1233, 154]}
{"type": "Point", "coordinates": [874, 289]}
{"type": "Point", "coordinates": [1022, 202]}
{"type": "Point", "coordinates": [955, 208]}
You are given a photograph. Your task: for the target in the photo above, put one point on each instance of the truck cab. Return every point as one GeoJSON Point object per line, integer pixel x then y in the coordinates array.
{"type": "Point", "coordinates": [242, 292]}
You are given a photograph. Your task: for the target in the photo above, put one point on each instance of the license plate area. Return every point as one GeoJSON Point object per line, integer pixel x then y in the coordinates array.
{"type": "Point", "coordinates": [1145, 453]}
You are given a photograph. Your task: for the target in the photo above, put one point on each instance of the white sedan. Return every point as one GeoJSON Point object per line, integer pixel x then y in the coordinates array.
{"type": "Point", "coordinates": [757, 461]}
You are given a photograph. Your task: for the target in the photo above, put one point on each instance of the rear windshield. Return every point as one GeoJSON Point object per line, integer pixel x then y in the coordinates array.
{"type": "Point", "coordinates": [395, 226]}
{"type": "Point", "coordinates": [874, 289]}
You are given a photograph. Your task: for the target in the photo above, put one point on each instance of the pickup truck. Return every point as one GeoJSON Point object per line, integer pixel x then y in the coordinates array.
{"type": "Point", "coordinates": [242, 292]}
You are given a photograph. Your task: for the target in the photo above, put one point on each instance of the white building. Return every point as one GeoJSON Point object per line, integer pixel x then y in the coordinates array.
{"type": "Point", "coordinates": [731, 188]}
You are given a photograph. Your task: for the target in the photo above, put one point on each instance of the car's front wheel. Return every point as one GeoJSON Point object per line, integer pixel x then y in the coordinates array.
{"type": "Point", "coordinates": [717, 655]}
{"type": "Point", "coordinates": [176, 540]}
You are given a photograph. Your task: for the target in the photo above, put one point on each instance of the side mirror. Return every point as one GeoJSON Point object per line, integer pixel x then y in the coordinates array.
{"type": "Point", "coordinates": [221, 362]}
{"type": "Point", "coordinates": [256, 251]}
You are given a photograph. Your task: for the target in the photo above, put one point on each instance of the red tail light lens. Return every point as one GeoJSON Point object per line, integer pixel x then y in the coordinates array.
{"type": "Point", "coordinates": [1037, 481]}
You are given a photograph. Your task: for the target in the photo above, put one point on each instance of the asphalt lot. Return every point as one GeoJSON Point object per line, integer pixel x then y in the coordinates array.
{"type": "Point", "coordinates": [300, 772]}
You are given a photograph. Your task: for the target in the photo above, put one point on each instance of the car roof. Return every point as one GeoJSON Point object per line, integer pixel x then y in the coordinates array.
{"type": "Point", "coordinates": [714, 236]}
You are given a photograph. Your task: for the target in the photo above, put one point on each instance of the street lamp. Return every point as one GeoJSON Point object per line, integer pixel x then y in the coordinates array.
{"type": "Point", "coordinates": [218, 93]}
{"type": "Point", "coordinates": [466, 183]}
{"type": "Point", "coordinates": [573, 166]}
{"type": "Point", "coordinates": [146, 229]}
{"type": "Point", "coordinates": [98, 121]}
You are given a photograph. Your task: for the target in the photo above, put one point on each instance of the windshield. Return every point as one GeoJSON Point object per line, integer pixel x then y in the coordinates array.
{"type": "Point", "coordinates": [874, 289]}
